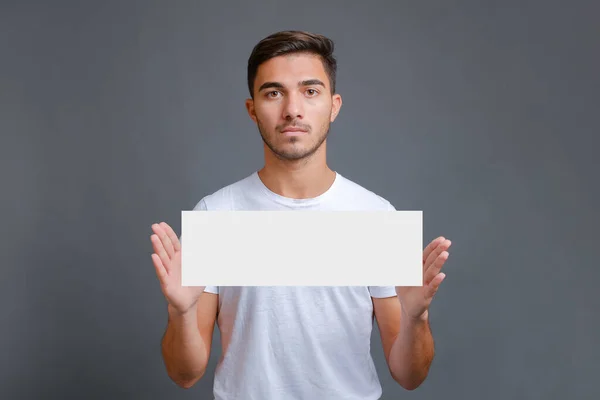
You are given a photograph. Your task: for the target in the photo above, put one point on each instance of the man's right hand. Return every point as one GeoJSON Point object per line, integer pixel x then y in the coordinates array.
{"type": "Point", "coordinates": [167, 263]}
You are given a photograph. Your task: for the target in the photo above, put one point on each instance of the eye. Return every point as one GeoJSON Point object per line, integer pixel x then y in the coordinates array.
{"type": "Point", "coordinates": [272, 94]}
{"type": "Point", "coordinates": [312, 92]}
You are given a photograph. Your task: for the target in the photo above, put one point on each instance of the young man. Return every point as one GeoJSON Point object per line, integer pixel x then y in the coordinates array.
{"type": "Point", "coordinates": [294, 342]}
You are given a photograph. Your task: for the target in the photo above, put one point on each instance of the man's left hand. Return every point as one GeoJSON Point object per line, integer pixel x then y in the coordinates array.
{"type": "Point", "coordinates": [415, 300]}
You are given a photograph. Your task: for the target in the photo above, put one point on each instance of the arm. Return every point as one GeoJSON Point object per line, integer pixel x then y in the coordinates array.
{"type": "Point", "coordinates": [403, 320]}
{"type": "Point", "coordinates": [187, 341]}
{"type": "Point", "coordinates": [407, 343]}
{"type": "Point", "coordinates": [192, 312]}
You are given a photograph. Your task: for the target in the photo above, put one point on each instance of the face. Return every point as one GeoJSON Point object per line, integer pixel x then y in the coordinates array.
{"type": "Point", "coordinates": [293, 106]}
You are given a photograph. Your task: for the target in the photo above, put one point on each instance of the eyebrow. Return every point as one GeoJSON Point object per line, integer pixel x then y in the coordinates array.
{"type": "Point", "coordinates": [277, 85]}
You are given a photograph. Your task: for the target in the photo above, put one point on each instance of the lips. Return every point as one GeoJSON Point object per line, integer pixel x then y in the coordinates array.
{"type": "Point", "coordinates": [293, 130]}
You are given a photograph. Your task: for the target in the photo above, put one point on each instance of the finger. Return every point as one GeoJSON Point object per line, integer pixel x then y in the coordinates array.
{"type": "Point", "coordinates": [443, 246]}
{"type": "Point", "coordinates": [161, 252]}
{"type": "Point", "coordinates": [431, 246]}
{"type": "Point", "coordinates": [161, 271]}
{"type": "Point", "coordinates": [435, 267]}
{"type": "Point", "coordinates": [434, 286]}
{"type": "Point", "coordinates": [172, 235]}
{"type": "Point", "coordinates": [164, 238]}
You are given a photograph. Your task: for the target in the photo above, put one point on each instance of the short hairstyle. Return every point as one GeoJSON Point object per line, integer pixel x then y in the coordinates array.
{"type": "Point", "coordinates": [288, 42]}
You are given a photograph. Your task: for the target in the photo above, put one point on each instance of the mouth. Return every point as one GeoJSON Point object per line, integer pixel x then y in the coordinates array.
{"type": "Point", "coordinates": [293, 132]}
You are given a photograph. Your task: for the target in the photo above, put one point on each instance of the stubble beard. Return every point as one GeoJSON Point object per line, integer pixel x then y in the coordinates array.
{"type": "Point", "coordinates": [294, 154]}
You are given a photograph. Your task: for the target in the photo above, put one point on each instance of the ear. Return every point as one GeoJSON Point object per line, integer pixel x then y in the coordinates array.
{"type": "Point", "coordinates": [335, 106]}
{"type": "Point", "coordinates": [250, 109]}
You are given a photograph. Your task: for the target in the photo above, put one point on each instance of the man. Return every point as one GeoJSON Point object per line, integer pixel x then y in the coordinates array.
{"type": "Point", "coordinates": [294, 342]}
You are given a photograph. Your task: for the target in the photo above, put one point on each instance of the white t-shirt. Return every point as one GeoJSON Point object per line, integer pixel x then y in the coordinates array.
{"type": "Point", "coordinates": [295, 343]}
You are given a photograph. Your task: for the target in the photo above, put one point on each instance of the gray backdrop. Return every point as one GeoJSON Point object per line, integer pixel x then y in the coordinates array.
{"type": "Point", "coordinates": [118, 114]}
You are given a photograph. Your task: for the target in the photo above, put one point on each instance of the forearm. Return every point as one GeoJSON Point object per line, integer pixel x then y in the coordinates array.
{"type": "Point", "coordinates": [184, 352]}
{"type": "Point", "coordinates": [412, 352]}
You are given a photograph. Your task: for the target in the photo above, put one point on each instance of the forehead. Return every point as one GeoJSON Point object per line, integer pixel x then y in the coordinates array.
{"type": "Point", "coordinates": [289, 69]}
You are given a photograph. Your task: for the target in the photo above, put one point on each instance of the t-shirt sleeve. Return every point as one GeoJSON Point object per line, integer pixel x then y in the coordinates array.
{"type": "Point", "coordinates": [382, 291]}
{"type": "Point", "coordinates": [390, 206]}
{"type": "Point", "coordinates": [211, 289]}
{"type": "Point", "coordinates": [201, 205]}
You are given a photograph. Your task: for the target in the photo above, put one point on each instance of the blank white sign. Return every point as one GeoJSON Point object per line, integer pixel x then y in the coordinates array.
{"type": "Point", "coordinates": [302, 248]}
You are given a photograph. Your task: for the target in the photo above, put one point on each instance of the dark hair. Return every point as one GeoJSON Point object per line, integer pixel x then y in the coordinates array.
{"type": "Point", "coordinates": [287, 42]}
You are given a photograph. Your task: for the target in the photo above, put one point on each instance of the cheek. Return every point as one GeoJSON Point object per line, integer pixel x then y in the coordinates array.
{"type": "Point", "coordinates": [317, 107]}
{"type": "Point", "coordinates": [267, 113]}
{"type": "Point", "coordinates": [322, 110]}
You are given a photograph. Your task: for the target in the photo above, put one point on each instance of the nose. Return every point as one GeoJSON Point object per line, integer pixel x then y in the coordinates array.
{"type": "Point", "coordinates": [293, 107]}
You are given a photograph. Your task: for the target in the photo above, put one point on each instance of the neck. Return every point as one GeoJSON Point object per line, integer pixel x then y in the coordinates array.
{"type": "Point", "coordinates": [297, 179]}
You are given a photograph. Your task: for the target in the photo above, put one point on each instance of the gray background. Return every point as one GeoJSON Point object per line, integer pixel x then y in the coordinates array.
{"type": "Point", "coordinates": [115, 115]}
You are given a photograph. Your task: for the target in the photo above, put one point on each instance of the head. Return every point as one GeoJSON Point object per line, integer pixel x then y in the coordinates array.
{"type": "Point", "coordinates": [291, 79]}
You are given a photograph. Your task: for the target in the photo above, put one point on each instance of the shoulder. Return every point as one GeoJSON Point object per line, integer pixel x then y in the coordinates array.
{"type": "Point", "coordinates": [225, 197]}
{"type": "Point", "coordinates": [361, 196]}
